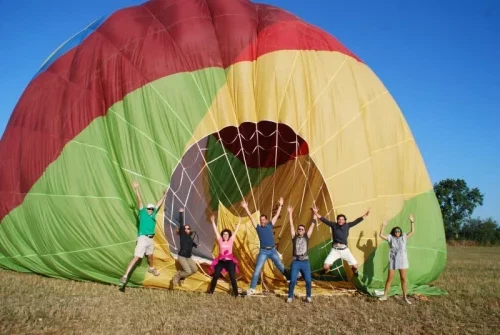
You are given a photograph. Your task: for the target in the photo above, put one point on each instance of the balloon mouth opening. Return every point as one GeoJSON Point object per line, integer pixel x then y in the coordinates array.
{"type": "Point", "coordinates": [264, 144]}
{"type": "Point", "coordinates": [255, 162]}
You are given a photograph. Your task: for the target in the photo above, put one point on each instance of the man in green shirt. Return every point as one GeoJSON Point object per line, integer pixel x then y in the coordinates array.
{"type": "Point", "coordinates": [147, 222]}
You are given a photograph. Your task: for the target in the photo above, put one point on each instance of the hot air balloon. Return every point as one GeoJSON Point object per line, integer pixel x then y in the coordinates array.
{"type": "Point", "coordinates": [218, 101]}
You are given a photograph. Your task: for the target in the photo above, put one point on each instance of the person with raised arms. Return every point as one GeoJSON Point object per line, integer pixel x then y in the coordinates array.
{"type": "Point", "coordinates": [300, 262]}
{"type": "Point", "coordinates": [225, 261]}
{"type": "Point", "coordinates": [398, 258]}
{"type": "Point", "coordinates": [267, 247]}
{"type": "Point", "coordinates": [184, 256]}
{"type": "Point", "coordinates": [146, 233]}
{"type": "Point", "coordinates": [340, 235]}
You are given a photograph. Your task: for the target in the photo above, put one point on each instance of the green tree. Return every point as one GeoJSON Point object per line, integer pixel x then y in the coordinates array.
{"type": "Point", "coordinates": [457, 202]}
{"type": "Point", "coordinates": [484, 231]}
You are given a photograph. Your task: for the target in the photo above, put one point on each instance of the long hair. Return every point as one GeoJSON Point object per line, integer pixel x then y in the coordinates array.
{"type": "Point", "coordinates": [177, 230]}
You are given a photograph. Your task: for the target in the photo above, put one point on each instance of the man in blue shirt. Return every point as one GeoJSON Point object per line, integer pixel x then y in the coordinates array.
{"type": "Point", "coordinates": [267, 248]}
{"type": "Point", "coordinates": [147, 222]}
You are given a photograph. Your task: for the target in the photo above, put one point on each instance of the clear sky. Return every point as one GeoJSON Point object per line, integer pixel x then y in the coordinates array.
{"type": "Point", "coordinates": [439, 59]}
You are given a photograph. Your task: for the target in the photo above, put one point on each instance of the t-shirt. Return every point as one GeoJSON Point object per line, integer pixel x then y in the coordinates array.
{"type": "Point", "coordinates": [266, 236]}
{"type": "Point", "coordinates": [300, 246]}
{"type": "Point", "coordinates": [340, 233]}
{"type": "Point", "coordinates": [226, 247]}
{"type": "Point", "coordinates": [147, 222]}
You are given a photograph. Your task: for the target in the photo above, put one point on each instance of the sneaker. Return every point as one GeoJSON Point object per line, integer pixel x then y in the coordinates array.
{"type": "Point", "coordinates": [123, 280]}
{"type": "Point", "coordinates": [289, 300]}
{"type": "Point", "coordinates": [154, 271]}
{"type": "Point", "coordinates": [383, 298]}
{"type": "Point", "coordinates": [408, 301]}
{"type": "Point", "coordinates": [308, 300]}
{"type": "Point", "coordinates": [251, 291]}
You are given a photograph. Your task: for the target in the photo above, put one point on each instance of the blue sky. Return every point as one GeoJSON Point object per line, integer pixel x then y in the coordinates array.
{"type": "Point", "coordinates": [439, 59]}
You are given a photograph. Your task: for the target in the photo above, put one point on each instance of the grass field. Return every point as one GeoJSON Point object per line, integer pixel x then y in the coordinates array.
{"type": "Point", "coordinates": [32, 304]}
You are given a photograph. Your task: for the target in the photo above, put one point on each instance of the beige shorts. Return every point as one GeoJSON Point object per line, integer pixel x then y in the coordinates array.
{"type": "Point", "coordinates": [343, 254]}
{"type": "Point", "coordinates": [144, 246]}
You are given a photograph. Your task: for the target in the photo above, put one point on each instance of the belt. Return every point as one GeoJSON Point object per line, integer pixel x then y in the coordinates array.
{"type": "Point", "coordinates": [268, 248]}
{"type": "Point", "coordinates": [150, 236]}
{"type": "Point", "coordinates": [339, 248]}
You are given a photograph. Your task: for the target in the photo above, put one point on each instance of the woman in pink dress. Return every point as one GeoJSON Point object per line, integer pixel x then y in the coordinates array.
{"type": "Point", "coordinates": [225, 261]}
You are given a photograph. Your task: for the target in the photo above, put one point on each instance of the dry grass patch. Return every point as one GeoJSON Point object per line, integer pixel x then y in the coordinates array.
{"type": "Point", "coordinates": [33, 304]}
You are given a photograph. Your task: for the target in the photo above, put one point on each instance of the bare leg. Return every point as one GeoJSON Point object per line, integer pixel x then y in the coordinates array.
{"type": "Point", "coordinates": [390, 275]}
{"type": "Point", "coordinates": [129, 268]}
{"type": "Point", "coordinates": [355, 269]}
{"type": "Point", "coordinates": [151, 267]}
{"type": "Point", "coordinates": [131, 265]}
{"type": "Point", "coordinates": [150, 260]}
{"type": "Point", "coordinates": [402, 274]}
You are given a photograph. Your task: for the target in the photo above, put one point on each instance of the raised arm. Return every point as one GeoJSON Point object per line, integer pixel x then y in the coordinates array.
{"type": "Point", "coordinates": [321, 218]}
{"type": "Point", "coordinates": [290, 214]}
{"type": "Point", "coordinates": [361, 218]}
{"type": "Point", "coordinates": [244, 204]}
{"type": "Point", "coordinates": [212, 219]}
{"type": "Point", "coordinates": [181, 221]}
{"type": "Point", "coordinates": [160, 202]}
{"type": "Point", "coordinates": [135, 185]}
{"type": "Point", "coordinates": [275, 218]}
{"type": "Point", "coordinates": [412, 231]}
{"type": "Point", "coordinates": [236, 228]}
{"type": "Point", "coordinates": [311, 227]}
{"type": "Point", "coordinates": [382, 227]}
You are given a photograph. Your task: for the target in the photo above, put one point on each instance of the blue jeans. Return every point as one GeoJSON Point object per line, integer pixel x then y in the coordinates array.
{"type": "Point", "coordinates": [261, 260]}
{"type": "Point", "coordinates": [305, 268]}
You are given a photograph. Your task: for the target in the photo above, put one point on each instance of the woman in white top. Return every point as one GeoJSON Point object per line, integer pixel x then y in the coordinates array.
{"type": "Point", "coordinates": [398, 259]}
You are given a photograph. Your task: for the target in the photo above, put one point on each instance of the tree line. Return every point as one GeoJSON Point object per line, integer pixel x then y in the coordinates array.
{"type": "Point", "coordinates": [458, 201]}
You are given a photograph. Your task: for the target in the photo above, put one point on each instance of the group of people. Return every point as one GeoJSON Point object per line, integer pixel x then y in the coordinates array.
{"type": "Point", "coordinates": [226, 262]}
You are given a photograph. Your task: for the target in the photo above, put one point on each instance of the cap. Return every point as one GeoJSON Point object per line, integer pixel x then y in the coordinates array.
{"type": "Point", "coordinates": [150, 206]}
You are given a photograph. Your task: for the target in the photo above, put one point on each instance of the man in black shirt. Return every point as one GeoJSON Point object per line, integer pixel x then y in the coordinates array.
{"type": "Point", "coordinates": [340, 235]}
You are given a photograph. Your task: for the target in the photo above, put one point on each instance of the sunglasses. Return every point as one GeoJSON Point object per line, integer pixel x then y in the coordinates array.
{"type": "Point", "coordinates": [397, 231]}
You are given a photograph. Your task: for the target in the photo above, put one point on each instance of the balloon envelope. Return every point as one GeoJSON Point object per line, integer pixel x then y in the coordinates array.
{"type": "Point", "coordinates": [217, 101]}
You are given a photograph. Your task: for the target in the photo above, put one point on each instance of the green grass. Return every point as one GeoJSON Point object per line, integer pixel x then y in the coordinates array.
{"type": "Point", "coordinates": [32, 304]}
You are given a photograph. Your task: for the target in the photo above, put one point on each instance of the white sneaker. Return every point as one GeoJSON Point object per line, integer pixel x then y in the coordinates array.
{"type": "Point", "coordinates": [308, 300]}
{"type": "Point", "coordinates": [383, 298]}
{"type": "Point", "coordinates": [251, 291]}
{"type": "Point", "coordinates": [289, 300]}
{"type": "Point", "coordinates": [153, 271]}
